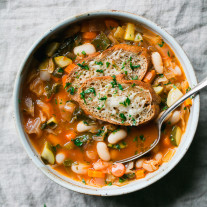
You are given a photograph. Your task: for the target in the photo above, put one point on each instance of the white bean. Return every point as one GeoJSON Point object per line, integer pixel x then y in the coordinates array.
{"type": "Point", "coordinates": [81, 127]}
{"type": "Point", "coordinates": [168, 116]}
{"type": "Point", "coordinates": [175, 118]}
{"type": "Point", "coordinates": [139, 163]}
{"type": "Point", "coordinates": [80, 168]}
{"type": "Point", "coordinates": [88, 48]}
{"type": "Point", "coordinates": [60, 157]}
{"type": "Point", "coordinates": [103, 151]}
{"type": "Point", "coordinates": [157, 62]}
{"type": "Point", "coordinates": [117, 136]}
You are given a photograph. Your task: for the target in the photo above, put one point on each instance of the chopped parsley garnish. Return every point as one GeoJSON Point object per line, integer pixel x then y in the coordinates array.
{"type": "Point", "coordinates": [168, 53]}
{"type": "Point", "coordinates": [55, 101]}
{"type": "Point", "coordinates": [164, 108]}
{"type": "Point", "coordinates": [123, 117]}
{"type": "Point", "coordinates": [109, 184]}
{"type": "Point", "coordinates": [161, 75]}
{"type": "Point", "coordinates": [60, 70]}
{"type": "Point", "coordinates": [185, 108]}
{"type": "Point", "coordinates": [71, 90]}
{"type": "Point", "coordinates": [135, 78]}
{"type": "Point", "coordinates": [123, 65]}
{"type": "Point", "coordinates": [121, 180]}
{"type": "Point", "coordinates": [120, 87]}
{"type": "Point", "coordinates": [113, 83]}
{"type": "Point", "coordinates": [100, 71]}
{"type": "Point", "coordinates": [86, 123]}
{"type": "Point", "coordinates": [98, 63]}
{"type": "Point", "coordinates": [134, 121]}
{"type": "Point", "coordinates": [83, 52]}
{"type": "Point", "coordinates": [135, 139]}
{"type": "Point", "coordinates": [107, 64]}
{"type": "Point", "coordinates": [168, 83]}
{"type": "Point", "coordinates": [126, 102]}
{"type": "Point", "coordinates": [80, 140]}
{"type": "Point", "coordinates": [100, 132]}
{"type": "Point", "coordinates": [67, 85]}
{"type": "Point", "coordinates": [142, 137]}
{"type": "Point", "coordinates": [188, 89]}
{"type": "Point", "coordinates": [125, 72]}
{"type": "Point", "coordinates": [162, 43]}
{"type": "Point", "coordinates": [83, 181]}
{"type": "Point", "coordinates": [134, 66]}
{"type": "Point", "coordinates": [136, 152]}
{"type": "Point", "coordinates": [87, 91]}
{"type": "Point", "coordinates": [103, 98]}
{"type": "Point", "coordinates": [83, 65]}
{"type": "Point", "coordinates": [133, 85]}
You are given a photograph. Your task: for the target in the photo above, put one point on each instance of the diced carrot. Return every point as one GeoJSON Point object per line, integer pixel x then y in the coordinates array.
{"type": "Point", "coordinates": [188, 102]}
{"type": "Point", "coordinates": [168, 156]}
{"type": "Point", "coordinates": [150, 76]}
{"type": "Point", "coordinates": [110, 23]}
{"type": "Point", "coordinates": [64, 78]}
{"type": "Point", "coordinates": [95, 173]}
{"type": "Point", "coordinates": [70, 135]}
{"type": "Point", "coordinates": [55, 78]}
{"type": "Point", "coordinates": [118, 169]}
{"type": "Point", "coordinates": [69, 67]}
{"type": "Point", "coordinates": [89, 35]}
{"type": "Point", "coordinates": [166, 142]}
{"type": "Point", "coordinates": [54, 140]}
{"type": "Point", "coordinates": [140, 174]}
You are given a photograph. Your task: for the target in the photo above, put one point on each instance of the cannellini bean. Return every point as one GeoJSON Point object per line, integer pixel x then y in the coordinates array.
{"type": "Point", "coordinates": [177, 71]}
{"type": "Point", "coordinates": [81, 127]}
{"type": "Point", "coordinates": [139, 163]}
{"type": "Point", "coordinates": [88, 48]}
{"type": "Point", "coordinates": [117, 136]}
{"type": "Point", "coordinates": [80, 168]}
{"type": "Point", "coordinates": [60, 157]}
{"type": "Point", "coordinates": [44, 75]}
{"type": "Point", "coordinates": [103, 151]}
{"type": "Point", "coordinates": [175, 118]}
{"type": "Point", "coordinates": [157, 62]}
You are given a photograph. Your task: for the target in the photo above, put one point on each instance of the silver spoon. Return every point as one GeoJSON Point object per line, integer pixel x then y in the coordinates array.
{"type": "Point", "coordinates": [159, 121]}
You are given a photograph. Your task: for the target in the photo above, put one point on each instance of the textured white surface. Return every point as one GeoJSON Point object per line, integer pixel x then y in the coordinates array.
{"type": "Point", "coordinates": [21, 23]}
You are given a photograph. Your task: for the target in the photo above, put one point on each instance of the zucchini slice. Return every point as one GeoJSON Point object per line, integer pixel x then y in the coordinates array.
{"type": "Point", "coordinates": [52, 123]}
{"type": "Point", "coordinates": [47, 155]}
{"type": "Point", "coordinates": [175, 136]}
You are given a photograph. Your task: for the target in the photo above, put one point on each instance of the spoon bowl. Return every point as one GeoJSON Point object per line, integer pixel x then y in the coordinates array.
{"type": "Point", "coordinates": [160, 120]}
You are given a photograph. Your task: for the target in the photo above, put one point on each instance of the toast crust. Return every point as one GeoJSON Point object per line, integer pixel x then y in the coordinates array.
{"type": "Point", "coordinates": [154, 102]}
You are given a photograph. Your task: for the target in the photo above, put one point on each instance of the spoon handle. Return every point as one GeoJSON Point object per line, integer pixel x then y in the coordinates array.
{"type": "Point", "coordinates": [194, 90]}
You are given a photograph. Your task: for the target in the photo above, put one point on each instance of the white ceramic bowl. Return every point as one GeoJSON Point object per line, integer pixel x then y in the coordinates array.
{"type": "Point", "coordinates": [150, 178]}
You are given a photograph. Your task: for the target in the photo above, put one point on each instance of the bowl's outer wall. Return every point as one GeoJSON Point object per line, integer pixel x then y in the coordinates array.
{"type": "Point", "coordinates": [135, 185]}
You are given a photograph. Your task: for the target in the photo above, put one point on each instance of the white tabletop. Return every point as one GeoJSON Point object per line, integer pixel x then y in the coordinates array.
{"type": "Point", "coordinates": [21, 23]}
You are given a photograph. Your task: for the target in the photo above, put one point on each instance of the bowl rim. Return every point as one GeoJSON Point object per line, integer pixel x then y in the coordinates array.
{"type": "Point", "coordinates": [106, 191]}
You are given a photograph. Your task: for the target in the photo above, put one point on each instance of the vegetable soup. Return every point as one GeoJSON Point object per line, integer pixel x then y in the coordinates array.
{"type": "Point", "coordinates": [84, 148]}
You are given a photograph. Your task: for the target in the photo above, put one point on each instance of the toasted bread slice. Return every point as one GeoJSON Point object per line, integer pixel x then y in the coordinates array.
{"type": "Point", "coordinates": [128, 60]}
{"type": "Point", "coordinates": [119, 101]}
